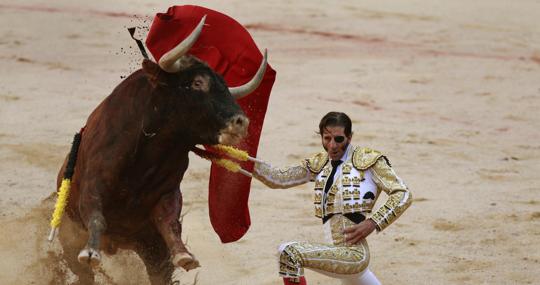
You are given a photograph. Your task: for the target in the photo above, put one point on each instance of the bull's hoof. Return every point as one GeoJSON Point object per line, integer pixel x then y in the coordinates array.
{"type": "Point", "coordinates": [89, 256]}
{"type": "Point", "coordinates": [186, 261]}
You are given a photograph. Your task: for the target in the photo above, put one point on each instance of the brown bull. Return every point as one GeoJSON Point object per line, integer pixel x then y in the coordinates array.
{"type": "Point", "coordinates": [133, 155]}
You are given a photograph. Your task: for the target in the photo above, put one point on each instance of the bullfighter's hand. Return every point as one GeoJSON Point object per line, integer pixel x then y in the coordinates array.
{"type": "Point", "coordinates": [356, 233]}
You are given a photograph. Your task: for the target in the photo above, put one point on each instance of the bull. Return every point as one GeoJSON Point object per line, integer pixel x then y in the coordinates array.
{"type": "Point", "coordinates": [125, 190]}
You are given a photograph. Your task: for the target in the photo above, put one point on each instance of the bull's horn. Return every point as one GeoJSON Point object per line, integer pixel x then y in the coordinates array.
{"type": "Point", "coordinates": [170, 61]}
{"type": "Point", "coordinates": [244, 90]}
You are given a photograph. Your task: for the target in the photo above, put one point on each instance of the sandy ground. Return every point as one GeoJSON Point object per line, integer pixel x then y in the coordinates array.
{"type": "Point", "coordinates": [449, 90]}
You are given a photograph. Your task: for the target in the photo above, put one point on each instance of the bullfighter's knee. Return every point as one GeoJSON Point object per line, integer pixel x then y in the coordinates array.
{"type": "Point", "coordinates": [290, 262]}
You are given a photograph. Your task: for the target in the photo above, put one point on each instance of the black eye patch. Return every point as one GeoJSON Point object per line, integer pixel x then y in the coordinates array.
{"type": "Point", "coordinates": [339, 139]}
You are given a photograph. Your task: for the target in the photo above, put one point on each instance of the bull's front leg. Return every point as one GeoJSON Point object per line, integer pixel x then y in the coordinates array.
{"type": "Point", "coordinates": [165, 216]}
{"type": "Point", "coordinates": [92, 215]}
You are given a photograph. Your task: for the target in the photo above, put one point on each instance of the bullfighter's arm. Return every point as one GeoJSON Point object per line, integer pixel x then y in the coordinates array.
{"type": "Point", "coordinates": [287, 177]}
{"type": "Point", "coordinates": [297, 174]}
{"type": "Point", "coordinates": [399, 197]}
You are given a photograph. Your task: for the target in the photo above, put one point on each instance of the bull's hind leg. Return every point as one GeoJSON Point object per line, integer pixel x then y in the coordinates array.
{"type": "Point", "coordinates": [165, 216]}
{"type": "Point", "coordinates": [96, 227]}
{"type": "Point", "coordinates": [91, 212]}
{"type": "Point", "coordinates": [156, 257]}
{"type": "Point", "coordinates": [72, 238]}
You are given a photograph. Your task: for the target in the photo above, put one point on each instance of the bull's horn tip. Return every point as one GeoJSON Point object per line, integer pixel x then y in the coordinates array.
{"type": "Point", "coordinates": [265, 56]}
{"type": "Point", "coordinates": [242, 91]}
{"type": "Point", "coordinates": [170, 61]}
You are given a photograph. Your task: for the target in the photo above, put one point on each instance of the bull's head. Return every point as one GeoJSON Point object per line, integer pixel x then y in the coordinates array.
{"type": "Point", "coordinates": [199, 97]}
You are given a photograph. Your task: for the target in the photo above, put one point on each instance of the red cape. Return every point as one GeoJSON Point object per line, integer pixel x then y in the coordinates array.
{"type": "Point", "coordinates": [227, 47]}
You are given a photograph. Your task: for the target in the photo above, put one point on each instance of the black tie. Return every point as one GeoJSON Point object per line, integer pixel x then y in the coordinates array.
{"type": "Point", "coordinates": [330, 181]}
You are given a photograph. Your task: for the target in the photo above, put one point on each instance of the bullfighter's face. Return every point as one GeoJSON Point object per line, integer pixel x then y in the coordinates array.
{"type": "Point", "coordinates": [335, 141]}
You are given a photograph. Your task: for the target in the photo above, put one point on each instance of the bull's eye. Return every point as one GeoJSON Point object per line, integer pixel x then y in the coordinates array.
{"type": "Point", "coordinates": [197, 84]}
{"type": "Point", "coordinates": [201, 83]}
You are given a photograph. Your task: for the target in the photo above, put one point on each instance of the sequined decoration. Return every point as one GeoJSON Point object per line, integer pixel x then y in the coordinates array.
{"type": "Point", "coordinates": [281, 177]}
{"type": "Point", "coordinates": [399, 197]}
{"type": "Point", "coordinates": [330, 258]}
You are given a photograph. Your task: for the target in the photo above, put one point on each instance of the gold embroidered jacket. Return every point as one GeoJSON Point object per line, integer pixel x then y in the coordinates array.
{"type": "Point", "coordinates": [357, 184]}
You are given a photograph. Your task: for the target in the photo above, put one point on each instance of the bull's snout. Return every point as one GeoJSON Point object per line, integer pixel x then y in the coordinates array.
{"type": "Point", "coordinates": [235, 130]}
{"type": "Point", "coordinates": [241, 122]}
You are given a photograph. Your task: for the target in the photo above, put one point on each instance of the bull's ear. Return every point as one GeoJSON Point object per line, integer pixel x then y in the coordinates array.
{"type": "Point", "coordinates": [156, 76]}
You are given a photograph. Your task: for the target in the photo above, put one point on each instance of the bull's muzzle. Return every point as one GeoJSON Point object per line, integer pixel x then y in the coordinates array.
{"type": "Point", "coordinates": [235, 130]}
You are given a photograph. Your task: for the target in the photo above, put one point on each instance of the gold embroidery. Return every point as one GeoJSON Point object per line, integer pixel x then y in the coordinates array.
{"type": "Point", "coordinates": [346, 169]}
{"type": "Point", "coordinates": [317, 197]}
{"type": "Point", "coordinates": [346, 181]}
{"type": "Point", "coordinates": [326, 172]}
{"type": "Point", "coordinates": [347, 208]}
{"type": "Point", "coordinates": [317, 162]}
{"type": "Point", "coordinates": [329, 258]}
{"type": "Point", "coordinates": [364, 158]}
{"type": "Point", "coordinates": [356, 182]}
{"type": "Point", "coordinates": [290, 261]}
{"type": "Point", "coordinates": [386, 178]}
{"type": "Point", "coordinates": [367, 205]}
{"type": "Point", "coordinates": [356, 194]}
{"type": "Point", "coordinates": [329, 209]}
{"type": "Point", "coordinates": [396, 204]}
{"type": "Point", "coordinates": [337, 224]}
{"type": "Point", "coordinates": [399, 198]}
{"type": "Point", "coordinates": [281, 178]}
{"type": "Point", "coordinates": [347, 195]}
{"type": "Point", "coordinates": [318, 211]}
{"type": "Point", "coordinates": [319, 184]}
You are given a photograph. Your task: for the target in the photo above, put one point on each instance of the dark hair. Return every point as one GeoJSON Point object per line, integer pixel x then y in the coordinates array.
{"type": "Point", "coordinates": [334, 119]}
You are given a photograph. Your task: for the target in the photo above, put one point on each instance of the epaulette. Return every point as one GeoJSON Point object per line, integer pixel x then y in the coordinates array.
{"type": "Point", "coordinates": [316, 163]}
{"type": "Point", "coordinates": [364, 158]}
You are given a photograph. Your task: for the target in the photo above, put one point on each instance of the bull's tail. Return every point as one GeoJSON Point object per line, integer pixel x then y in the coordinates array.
{"type": "Point", "coordinates": [63, 192]}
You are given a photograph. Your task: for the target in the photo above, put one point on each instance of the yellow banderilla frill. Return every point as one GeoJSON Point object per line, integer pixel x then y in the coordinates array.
{"type": "Point", "coordinates": [59, 207]}
{"type": "Point", "coordinates": [234, 153]}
